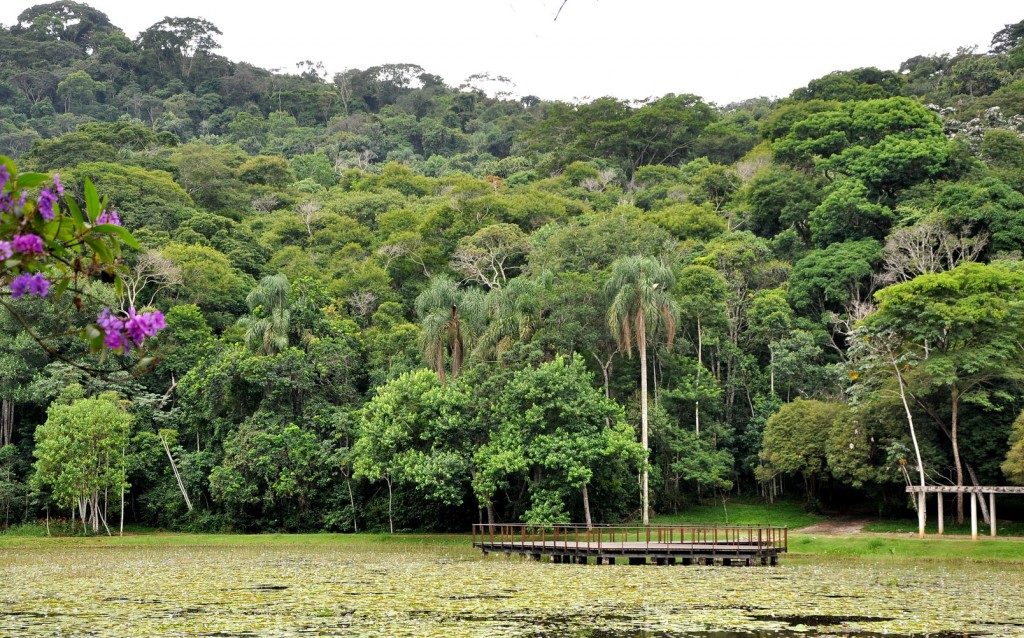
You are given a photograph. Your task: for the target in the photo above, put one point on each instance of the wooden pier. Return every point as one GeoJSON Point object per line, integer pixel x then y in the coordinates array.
{"type": "Point", "coordinates": [639, 545]}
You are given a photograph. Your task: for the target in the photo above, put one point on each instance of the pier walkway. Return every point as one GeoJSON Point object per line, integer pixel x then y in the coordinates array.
{"type": "Point", "coordinates": [637, 545]}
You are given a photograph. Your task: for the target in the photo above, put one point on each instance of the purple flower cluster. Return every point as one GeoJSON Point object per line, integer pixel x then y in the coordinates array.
{"type": "Point", "coordinates": [6, 250]}
{"type": "Point", "coordinates": [47, 198]}
{"type": "Point", "coordinates": [29, 284]}
{"type": "Point", "coordinates": [122, 333]}
{"type": "Point", "coordinates": [28, 244]}
{"type": "Point", "coordinates": [5, 176]}
{"type": "Point", "coordinates": [109, 217]}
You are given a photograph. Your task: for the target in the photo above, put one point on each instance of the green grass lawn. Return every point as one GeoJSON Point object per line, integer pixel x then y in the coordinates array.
{"type": "Point", "coordinates": [803, 548]}
{"type": "Point", "coordinates": [894, 548]}
{"type": "Point", "coordinates": [1003, 528]}
{"type": "Point", "coordinates": [754, 512]}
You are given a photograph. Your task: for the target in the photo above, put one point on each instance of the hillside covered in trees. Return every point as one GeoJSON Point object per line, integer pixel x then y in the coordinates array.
{"type": "Point", "coordinates": [391, 301]}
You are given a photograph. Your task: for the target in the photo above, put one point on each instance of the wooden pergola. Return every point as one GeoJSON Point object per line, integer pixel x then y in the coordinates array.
{"type": "Point", "coordinates": [975, 492]}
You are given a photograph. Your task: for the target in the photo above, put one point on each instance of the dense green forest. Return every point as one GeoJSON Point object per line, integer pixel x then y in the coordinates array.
{"type": "Point", "coordinates": [394, 302]}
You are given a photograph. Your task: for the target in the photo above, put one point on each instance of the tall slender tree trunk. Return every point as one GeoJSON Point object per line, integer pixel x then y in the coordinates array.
{"type": "Point", "coordinates": [921, 512]}
{"type": "Point", "coordinates": [771, 368]}
{"type": "Point", "coordinates": [641, 341]}
{"type": "Point", "coordinates": [124, 472]}
{"type": "Point", "coordinates": [6, 421]}
{"type": "Point", "coordinates": [391, 520]}
{"type": "Point", "coordinates": [586, 507]}
{"type": "Point", "coordinates": [177, 475]}
{"type": "Point", "coordinates": [700, 366]}
{"type": "Point", "coordinates": [352, 502]}
{"type": "Point", "coordinates": [954, 394]}
{"type": "Point", "coordinates": [456, 332]}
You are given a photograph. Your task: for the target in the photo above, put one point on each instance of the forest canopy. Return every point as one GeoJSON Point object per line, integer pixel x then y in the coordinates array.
{"type": "Point", "coordinates": [389, 302]}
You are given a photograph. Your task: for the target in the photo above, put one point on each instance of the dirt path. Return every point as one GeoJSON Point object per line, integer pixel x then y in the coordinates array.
{"type": "Point", "coordinates": [837, 526]}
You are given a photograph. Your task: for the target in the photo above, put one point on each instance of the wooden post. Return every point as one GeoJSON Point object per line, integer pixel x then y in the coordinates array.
{"type": "Point", "coordinates": [974, 516]}
{"type": "Point", "coordinates": [942, 518]}
{"type": "Point", "coordinates": [922, 516]}
{"type": "Point", "coordinates": [992, 512]}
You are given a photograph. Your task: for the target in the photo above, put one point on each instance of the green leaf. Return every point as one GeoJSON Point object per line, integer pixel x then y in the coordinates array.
{"type": "Point", "coordinates": [50, 229]}
{"type": "Point", "coordinates": [100, 249]}
{"type": "Point", "coordinates": [120, 232]}
{"type": "Point", "coordinates": [30, 180]}
{"type": "Point", "coordinates": [76, 213]}
{"type": "Point", "coordinates": [92, 200]}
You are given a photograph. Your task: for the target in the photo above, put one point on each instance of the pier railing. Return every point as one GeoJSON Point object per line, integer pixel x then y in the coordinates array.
{"type": "Point", "coordinates": [580, 537]}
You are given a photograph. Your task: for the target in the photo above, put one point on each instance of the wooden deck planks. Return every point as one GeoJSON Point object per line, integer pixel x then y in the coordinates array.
{"type": "Point", "coordinates": [656, 545]}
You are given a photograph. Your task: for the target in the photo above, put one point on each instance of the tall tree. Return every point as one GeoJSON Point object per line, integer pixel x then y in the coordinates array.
{"type": "Point", "coordinates": [450, 318]}
{"type": "Point", "coordinates": [641, 309]}
{"type": "Point", "coordinates": [965, 327]}
{"type": "Point", "coordinates": [268, 324]}
{"type": "Point", "coordinates": [80, 453]}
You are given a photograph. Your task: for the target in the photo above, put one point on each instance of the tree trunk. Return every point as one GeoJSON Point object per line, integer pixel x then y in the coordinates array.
{"type": "Point", "coordinates": [177, 476]}
{"type": "Point", "coordinates": [124, 478]}
{"type": "Point", "coordinates": [641, 341]}
{"type": "Point", "coordinates": [654, 374]}
{"type": "Point", "coordinates": [981, 501]}
{"type": "Point", "coordinates": [6, 421]}
{"type": "Point", "coordinates": [913, 437]}
{"type": "Point", "coordinates": [771, 369]}
{"type": "Point", "coordinates": [391, 520]}
{"type": "Point", "coordinates": [700, 366]}
{"type": "Point", "coordinates": [456, 343]}
{"type": "Point", "coordinates": [490, 514]}
{"type": "Point", "coordinates": [586, 508]}
{"type": "Point", "coordinates": [954, 422]}
{"type": "Point", "coordinates": [352, 501]}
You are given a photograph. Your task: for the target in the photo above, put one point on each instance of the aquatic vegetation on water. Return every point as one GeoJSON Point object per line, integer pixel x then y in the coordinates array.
{"type": "Point", "coordinates": [325, 589]}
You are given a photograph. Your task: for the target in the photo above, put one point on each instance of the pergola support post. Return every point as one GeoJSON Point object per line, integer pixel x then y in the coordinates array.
{"type": "Point", "coordinates": [974, 516]}
{"type": "Point", "coordinates": [922, 514]}
{"type": "Point", "coordinates": [992, 512]}
{"type": "Point", "coordinates": [942, 518]}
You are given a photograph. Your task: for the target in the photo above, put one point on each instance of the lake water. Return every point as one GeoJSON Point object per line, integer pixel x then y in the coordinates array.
{"type": "Point", "coordinates": [365, 588]}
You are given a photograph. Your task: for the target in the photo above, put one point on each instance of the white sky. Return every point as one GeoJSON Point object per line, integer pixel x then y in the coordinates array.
{"type": "Point", "coordinates": [724, 50]}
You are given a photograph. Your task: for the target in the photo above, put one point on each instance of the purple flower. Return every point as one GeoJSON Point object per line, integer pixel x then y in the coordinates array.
{"type": "Point", "coordinates": [28, 244]}
{"type": "Point", "coordinates": [5, 176]}
{"type": "Point", "coordinates": [6, 202]}
{"type": "Point", "coordinates": [47, 199]}
{"type": "Point", "coordinates": [123, 333]}
{"type": "Point", "coordinates": [5, 250]}
{"type": "Point", "coordinates": [112, 327]}
{"type": "Point", "coordinates": [57, 186]}
{"type": "Point", "coordinates": [31, 284]}
{"type": "Point", "coordinates": [109, 217]}
{"type": "Point", "coordinates": [138, 327]}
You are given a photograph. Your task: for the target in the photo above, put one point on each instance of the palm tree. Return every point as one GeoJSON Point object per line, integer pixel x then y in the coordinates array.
{"type": "Point", "coordinates": [450, 319]}
{"type": "Point", "coordinates": [514, 313]}
{"type": "Point", "coordinates": [641, 308]}
{"type": "Point", "coordinates": [270, 319]}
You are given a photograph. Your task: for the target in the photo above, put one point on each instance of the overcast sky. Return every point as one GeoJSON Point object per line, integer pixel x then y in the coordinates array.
{"type": "Point", "coordinates": [723, 50]}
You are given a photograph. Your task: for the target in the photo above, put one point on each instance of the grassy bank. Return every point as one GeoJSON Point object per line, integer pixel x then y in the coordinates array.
{"type": "Point", "coordinates": [1003, 528]}
{"type": "Point", "coordinates": [802, 547]}
{"type": "Point", "coordinates": [891, 547]}
{"type": "Point", "coordinates": [781, 513]}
